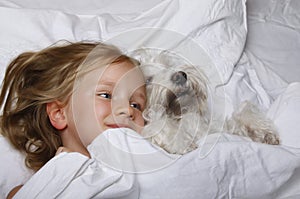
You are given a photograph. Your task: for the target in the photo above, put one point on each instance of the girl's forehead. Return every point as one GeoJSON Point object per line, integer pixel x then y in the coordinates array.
{"type": "Point", "coordinates": [122, 74]}
{"type": "Point", "coordinates": [117, 71]}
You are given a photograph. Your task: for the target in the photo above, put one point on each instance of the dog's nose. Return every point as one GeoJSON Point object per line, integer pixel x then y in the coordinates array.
{"type": "Point", "coordinates": [179, 77]}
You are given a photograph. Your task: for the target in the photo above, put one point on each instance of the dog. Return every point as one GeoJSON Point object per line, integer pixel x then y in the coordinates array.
{"type": "Point", "coordinates": [178, 111]}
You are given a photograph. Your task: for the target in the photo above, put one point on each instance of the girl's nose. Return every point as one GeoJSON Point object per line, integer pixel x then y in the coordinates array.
{"type": "Point", "coordinates": [123, 108]}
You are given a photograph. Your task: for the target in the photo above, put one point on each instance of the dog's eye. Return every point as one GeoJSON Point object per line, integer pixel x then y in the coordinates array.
{"type": "Point", "coordinates": [149, 80]}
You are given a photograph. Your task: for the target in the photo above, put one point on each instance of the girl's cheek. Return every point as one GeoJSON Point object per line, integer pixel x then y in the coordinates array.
{"type": "Point", "coordinates": [103, 107]}
{"type": "Point", "coordinates": [140, 120]}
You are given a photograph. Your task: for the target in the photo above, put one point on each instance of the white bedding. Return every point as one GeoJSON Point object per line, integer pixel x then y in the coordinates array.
{"type": "Point", "coordinates": [251, 48]}
{"type": "Point", "coordinates": [230, 168]}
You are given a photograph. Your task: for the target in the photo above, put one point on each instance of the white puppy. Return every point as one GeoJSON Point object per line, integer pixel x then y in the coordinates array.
{"type": "Point", "coordinates": [178, 112]}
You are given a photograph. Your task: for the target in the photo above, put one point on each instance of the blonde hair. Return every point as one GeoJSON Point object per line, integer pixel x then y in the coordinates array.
{"type": "Point", "coordinates": [34, 79]}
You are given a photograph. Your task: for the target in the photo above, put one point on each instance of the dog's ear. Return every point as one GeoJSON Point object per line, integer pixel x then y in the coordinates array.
{"type": "Point", "coordinates": [203, 101]}
{"type": "Point", "coordinates": [201, 84]}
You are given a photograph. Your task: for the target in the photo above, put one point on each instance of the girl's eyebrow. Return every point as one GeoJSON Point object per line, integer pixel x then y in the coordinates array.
{"type": "Point", "coordinates": [106, 83]}
{"type": "Point", "coordinates": [140, 95]}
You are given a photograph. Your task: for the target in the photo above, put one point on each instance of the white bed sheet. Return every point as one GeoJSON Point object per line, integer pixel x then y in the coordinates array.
{"type": "Point", "coordinates": [225, 166]}
{"type": "Point", "coordinates": [235, 168]}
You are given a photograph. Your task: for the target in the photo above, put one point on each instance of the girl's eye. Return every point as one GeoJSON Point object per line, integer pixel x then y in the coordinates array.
{"type": "Point", "coordinates": [136, 106]}
{"type": "Point", "coordinates": [105, 95]}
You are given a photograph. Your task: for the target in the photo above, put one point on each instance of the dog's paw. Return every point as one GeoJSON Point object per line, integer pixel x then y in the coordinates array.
{"type": "Point", "coordinates": [190, 148]}
{"type": "Point", "coordinates": [271, 138]}
{"type": "Point", "coordinates": [180, 149]}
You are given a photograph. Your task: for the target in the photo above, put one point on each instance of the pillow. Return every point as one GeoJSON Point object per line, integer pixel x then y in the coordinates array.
{"type": "Point", "coordinates": [215, 28]}
{"type": "Point", "coordinates": [85, 7]}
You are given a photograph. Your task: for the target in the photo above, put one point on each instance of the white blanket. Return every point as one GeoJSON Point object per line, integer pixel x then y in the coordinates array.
{"type": "Point", "coordinates": [255, 56]}
{"type": "Point", "coordinates": [125, 166]}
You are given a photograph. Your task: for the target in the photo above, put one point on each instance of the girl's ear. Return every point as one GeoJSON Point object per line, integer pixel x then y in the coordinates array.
{"type": "Point", "coordinates": [56, 114]}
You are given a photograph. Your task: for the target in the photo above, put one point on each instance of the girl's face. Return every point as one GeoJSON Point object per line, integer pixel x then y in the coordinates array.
{"type": "Point", "coordinates": [111, 97]}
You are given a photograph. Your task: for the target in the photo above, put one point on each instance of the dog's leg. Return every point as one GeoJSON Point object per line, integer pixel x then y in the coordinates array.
{"type": "Point", "coordinates": [250, 122]}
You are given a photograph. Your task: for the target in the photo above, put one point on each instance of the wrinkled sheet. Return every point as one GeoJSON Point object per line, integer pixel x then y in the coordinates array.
{"type": "Point", "coordinates": [273, 37]}
{"type": "Point", "coordinates": [254, 59]}
{"type": "Point", "coordinates": [225, 166]}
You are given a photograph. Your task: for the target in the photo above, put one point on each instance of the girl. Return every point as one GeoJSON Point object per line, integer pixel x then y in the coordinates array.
{"type": "Point", "coordinates": [65, 95]}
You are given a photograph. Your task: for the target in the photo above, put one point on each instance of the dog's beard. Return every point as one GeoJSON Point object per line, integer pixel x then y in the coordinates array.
{"type": "Point", "coordinates": [177, 99]}
{"type": "Point", "coordinates": [181, 103]}
{"type": "Point", "coordinates": [173, 105]}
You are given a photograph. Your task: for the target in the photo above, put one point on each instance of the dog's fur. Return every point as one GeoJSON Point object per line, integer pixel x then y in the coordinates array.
{"type": "Point", "coordinates": [178, 112]}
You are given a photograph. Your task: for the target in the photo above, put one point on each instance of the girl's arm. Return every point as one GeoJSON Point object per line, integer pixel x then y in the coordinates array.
{"type": "Point", "coordinates": [13, 192]}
